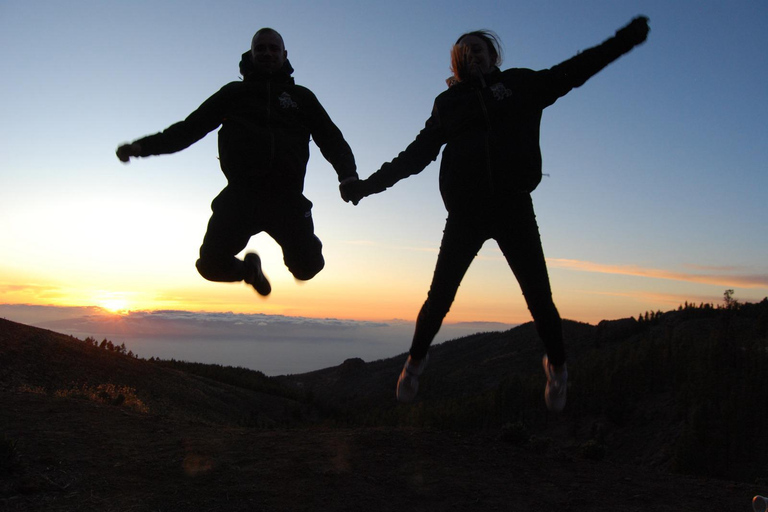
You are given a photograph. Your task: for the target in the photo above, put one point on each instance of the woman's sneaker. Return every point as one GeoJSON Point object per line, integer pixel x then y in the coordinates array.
{"type": "Point", "coordinates": [557, 386]}
{"type": "Point", "coordinates": [408, 382]}
{"type": "Point", "coordinates": [254, 276]}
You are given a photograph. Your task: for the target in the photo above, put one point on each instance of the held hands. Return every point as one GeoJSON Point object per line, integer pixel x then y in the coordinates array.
{"type": "Point", "coordinates": [635, 32]}
{"type": "Point", "coordinates": [352, 190]}
{"type": "Point", "coordinates": [126, 151]}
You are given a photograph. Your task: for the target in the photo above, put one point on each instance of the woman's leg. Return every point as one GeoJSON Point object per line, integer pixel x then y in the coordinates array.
{"type": "Point", "coordinates": [462, 239]}
{"type": "Point", "coordinates": [518, 237]}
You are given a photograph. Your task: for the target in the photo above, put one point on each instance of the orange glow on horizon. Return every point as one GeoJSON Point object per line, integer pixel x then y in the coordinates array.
{"type": "Point", "coordinates": [489, 293]}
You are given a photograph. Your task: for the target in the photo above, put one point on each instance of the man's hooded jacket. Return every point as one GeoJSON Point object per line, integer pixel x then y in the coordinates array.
{"type": "Point", "coordinates": [266, 123]}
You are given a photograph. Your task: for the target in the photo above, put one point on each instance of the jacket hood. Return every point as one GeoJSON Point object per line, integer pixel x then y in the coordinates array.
{"type": "Point", "coordinates": [249, 71]}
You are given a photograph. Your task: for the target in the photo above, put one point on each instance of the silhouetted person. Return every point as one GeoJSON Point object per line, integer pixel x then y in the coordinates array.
{"type": "Point", "coordinates": [489, 121]}
{"type": "Point", "coordinates": [266, 123]}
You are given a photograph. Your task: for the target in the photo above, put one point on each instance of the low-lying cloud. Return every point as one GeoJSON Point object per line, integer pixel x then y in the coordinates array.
{"type": "Point", "coordinates": [273, 344]}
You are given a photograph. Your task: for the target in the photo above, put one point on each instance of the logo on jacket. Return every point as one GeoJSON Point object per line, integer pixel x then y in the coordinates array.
{"type": "Point", "coordinates": [500, 92]}
{"type": "Point", "coordinates": [286, 101]}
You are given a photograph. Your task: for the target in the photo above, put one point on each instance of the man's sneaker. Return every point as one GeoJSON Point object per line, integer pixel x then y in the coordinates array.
{"type": "Point", "coordinates": [408, 382]}
{"type": "Point", "coordinates": [557, 386]}
{"type": "Point", "coordinates": [254, 276]}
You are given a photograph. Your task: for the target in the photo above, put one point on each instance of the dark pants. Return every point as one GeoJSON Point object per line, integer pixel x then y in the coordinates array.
{"type": "Point", "coordinates": [238, 215]}
{"type": "Point", "coordinates": [513, 226]}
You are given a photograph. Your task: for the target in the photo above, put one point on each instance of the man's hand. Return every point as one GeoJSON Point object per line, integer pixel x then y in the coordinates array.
{"type": "Point", "coordinates": [351, 190]}
{"type": "Point", "coordinates": [636, 31]}
{"type": "Point", "coordinates": [126, 151]}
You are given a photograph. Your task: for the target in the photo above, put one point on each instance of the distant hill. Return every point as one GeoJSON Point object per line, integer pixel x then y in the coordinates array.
{"type": "Point", "coordinates": [46, 362]}
{"type": "Point", "coordinates": [462, 367]}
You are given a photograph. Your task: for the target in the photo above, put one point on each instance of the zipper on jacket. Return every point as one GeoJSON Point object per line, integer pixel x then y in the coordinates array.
{"type": "Point", "coordinates": [487, 143]}
{"type": "Point", "coordinates": [269, 126]}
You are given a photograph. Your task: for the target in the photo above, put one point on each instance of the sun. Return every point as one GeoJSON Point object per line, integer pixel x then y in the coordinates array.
{"type": "Point", "coordinates": [114, 305]}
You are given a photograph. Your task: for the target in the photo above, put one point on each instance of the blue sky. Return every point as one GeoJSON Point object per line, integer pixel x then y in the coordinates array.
{"type": "Point", "coordinates": [657, 182]}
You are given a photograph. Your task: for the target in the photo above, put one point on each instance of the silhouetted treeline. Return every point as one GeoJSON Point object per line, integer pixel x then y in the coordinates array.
{"type": "Point", "coordinates": [702, 310]}
{"type": "Point", "coordinates": [107, 345]}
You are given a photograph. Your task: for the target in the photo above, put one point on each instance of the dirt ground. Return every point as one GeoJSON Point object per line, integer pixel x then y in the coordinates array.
{"type": "Point", "coordinates": [64, 454]}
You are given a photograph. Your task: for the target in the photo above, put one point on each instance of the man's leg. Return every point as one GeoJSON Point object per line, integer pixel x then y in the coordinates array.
{"type": "Point", "coordinates": [228, 234]}
{"type": "Point", "coordinates": [292, 228]}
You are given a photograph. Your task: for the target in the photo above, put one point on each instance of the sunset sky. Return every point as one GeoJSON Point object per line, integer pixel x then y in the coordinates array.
{"type": "Point", "coordinates": [657, 190]}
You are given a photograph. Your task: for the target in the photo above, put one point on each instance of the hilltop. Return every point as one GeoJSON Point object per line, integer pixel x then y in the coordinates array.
{"type": "Point", "coordinates": [89, 426]}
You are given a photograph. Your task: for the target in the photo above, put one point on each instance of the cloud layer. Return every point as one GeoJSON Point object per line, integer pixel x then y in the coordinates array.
{"type": "Point", "coordinates": [273, 344]}
{"type": "Point", "coordinates": [720, 276]}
